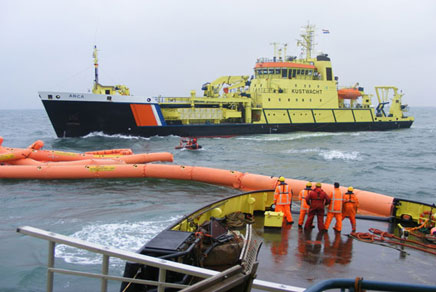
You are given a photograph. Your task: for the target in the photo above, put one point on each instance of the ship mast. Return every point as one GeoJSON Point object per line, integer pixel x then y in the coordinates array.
{"type": "Point", "coordinates": [308, 40]}
{"type": "Point", "coordinates": [94, 55]}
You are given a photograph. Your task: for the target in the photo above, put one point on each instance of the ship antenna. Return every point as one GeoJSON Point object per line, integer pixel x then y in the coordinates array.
{"type": "Point", "coordinates": [308, 40]}
{"type": "Point", "coordinates": [275, 50]}
{"type": "Point", "coordinates": [285, 45]}
{"type": "Point", "coordinates": [94, 55]}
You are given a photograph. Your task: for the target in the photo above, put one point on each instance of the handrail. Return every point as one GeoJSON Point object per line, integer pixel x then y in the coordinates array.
{"type": "Point", "coordinates": [107, 252]}
{"type": "Point", "coordinates": [358, 284]}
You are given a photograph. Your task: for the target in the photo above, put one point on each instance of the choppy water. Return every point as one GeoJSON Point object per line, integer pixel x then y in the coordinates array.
{"type": "Point", "coordinates": [127, 212]}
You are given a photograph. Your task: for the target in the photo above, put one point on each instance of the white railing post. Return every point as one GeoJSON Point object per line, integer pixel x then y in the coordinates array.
{"type": "Point", "coordinates": [104, 271]}
{"type": "Point", "coordinates": [162, 277]}
{"type": "Point", "coordinates": [50, 265]}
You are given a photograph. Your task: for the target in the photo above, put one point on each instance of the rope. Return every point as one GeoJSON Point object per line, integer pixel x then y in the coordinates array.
{"type": "Point", "coordinates": [238, 220]}
{"type": "Point", "coordinates": [130, 283]}
{"type": "Point", "coordinates": [376, 236]}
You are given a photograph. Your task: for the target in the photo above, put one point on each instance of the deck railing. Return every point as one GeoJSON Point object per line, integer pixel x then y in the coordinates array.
{"type": "Point", "coordinates": [107, 252]}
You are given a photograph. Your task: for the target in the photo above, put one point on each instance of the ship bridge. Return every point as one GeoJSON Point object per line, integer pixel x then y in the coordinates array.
{"type": "Point", "coordinates": [286, 70]}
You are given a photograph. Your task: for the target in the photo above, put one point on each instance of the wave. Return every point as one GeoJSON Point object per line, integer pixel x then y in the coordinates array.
{"type": "Point", "coordinates": [125, 236]}
{"type": "Point", "coordinates": [329, 154]}
{"type": "Point", "coordinates": [294, 136]}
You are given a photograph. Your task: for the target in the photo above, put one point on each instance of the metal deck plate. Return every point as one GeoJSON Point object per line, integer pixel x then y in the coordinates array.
{"type": "Point", "coordinates": [168, 240]}
{"type": "Point", "coordinates": [294, 257]}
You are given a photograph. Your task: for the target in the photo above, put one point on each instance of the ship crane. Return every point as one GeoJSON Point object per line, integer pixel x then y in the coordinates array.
{"type": "Point", "coordinates": [396, 109]}
{"type": "Point", "coordinates": [213, 89]}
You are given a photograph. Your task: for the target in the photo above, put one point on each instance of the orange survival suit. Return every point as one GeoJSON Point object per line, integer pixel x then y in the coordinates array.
{"type": "Point", "coordinates": [317, 199]}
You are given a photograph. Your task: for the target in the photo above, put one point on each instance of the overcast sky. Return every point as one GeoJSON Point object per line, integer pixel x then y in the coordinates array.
{"type": "Point", "coordinates": [171, 47]}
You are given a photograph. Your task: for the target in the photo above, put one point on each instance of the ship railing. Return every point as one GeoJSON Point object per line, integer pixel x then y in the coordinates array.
{"type": "Point", "coordinates": [359, 284]}
{"type": "Point", "coordinates": [162, 99]}
{"type": "Point", "coordinates": [108, 252]}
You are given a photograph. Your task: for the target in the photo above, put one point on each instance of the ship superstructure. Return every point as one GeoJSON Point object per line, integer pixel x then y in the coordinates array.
{"type": "Point", "coordinates": [284, 94]}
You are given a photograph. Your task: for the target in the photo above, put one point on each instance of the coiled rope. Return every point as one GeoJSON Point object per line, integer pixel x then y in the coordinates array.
{"type": "Point", "coordinates": [377, 236]}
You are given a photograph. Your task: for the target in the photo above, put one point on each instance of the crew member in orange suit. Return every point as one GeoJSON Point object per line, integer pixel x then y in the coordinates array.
{"type": "Point", "coordinates": [317, 199]}
{"type": "Point", "coordinates": [304, 207]}
{"type": "Point", "coordinates": [283, 200]}
{"type": "Point", "coordinates": [349, 209]}
{"type": "Point", "coordinates": [335, 208]}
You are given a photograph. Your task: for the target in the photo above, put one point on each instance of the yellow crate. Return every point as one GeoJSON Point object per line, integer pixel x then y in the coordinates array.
{"type": "Point", "coordinates": [273, 219]}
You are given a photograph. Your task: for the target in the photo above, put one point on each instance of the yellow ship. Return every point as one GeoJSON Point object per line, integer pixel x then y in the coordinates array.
{"type": "Point", "coordinates": [284, 94]}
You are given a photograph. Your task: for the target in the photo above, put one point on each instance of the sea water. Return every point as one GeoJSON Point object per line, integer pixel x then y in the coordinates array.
{"type": "Point", "coordinates": [125, 213]}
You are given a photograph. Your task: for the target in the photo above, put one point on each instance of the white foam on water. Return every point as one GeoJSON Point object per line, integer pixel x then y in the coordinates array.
{"type": "Point", "coordinates": [291, 137]}
{"type": "Point", "coordinates": [126, 236]}
{"type": "Point", "coordinates": [118, 136]}
{"type": "Point", "coordinates": [335, 154]}
{"type": "Point", "coordinates": [299, 151]}
{"type": "Point", "coordinates": [329, 154]}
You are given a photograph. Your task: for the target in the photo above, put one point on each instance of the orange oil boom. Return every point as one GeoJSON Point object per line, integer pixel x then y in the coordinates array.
{"type": "Point", "coordinates": [370, 203]}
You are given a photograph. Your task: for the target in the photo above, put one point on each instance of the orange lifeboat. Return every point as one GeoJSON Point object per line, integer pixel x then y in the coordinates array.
{"type": "Point", "coordinates": [349, 93]}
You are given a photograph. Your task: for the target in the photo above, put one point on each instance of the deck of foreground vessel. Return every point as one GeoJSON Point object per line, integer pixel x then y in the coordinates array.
{"type": "Point", "coordinates": [295, 257]}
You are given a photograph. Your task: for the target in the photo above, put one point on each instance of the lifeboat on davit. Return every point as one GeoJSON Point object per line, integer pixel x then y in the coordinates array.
{"type": "Point", "coordinates": [349, 93]}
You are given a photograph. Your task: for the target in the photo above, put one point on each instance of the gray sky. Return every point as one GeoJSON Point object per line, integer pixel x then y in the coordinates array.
{"type": "Point", "coordinates": [171, 47]}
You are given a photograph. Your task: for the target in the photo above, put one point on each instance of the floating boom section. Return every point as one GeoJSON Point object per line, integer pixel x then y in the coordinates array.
{"type": "Point", "coordinates": [33, 155]}
{"type": "Point", "coordinates": [370, 203]}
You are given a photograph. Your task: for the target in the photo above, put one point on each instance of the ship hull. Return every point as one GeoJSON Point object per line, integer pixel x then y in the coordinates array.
{"type": "Point", "coordinates": [76, 119]}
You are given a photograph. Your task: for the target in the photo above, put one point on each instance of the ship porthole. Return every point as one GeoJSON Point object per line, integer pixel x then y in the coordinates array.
{"type": "Point", "coordinates": [148, 99]}
{"type": "Point", "coordinates": [58, 96]}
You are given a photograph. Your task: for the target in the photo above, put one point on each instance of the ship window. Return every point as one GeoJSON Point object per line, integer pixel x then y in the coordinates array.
{"type": "Point", "coordinates": [109, 98]}
{"type": "Point", "coordinates": [296, 99]}
{"type": "Point", "coordinates": [320, 100]}
{"type": "Point", "coordinates": [328, 72]}
{"type": "Point", "coordinates": [306, 72]}
{"type": "Point", "coordinates": [289, 99]}
{"type": "Point", "coordinates": [309, 72]}
{"type": "Point", "coordinates": [280, 99]}
{"type": "Point", "coordinates": [310, 100]}
{"type": "Point", "coordinates": [107, 91]}
{"type": "Point", "coordinates": [265, 71]}
{"type": "Point", "coordinates": [293, 73]}
{"type": "Point", "coordinates": [284, 73]}
{"type": "Point", "coordinates": [50, 96]}
{"type": "Point", "coordinates": [271, 71]}
{"type": "Point", "coordinates": [269, 99]}
{"type": "Point", "coordinates": [277, 71]}
{"type": "Point", "coordinates": [302, 99]}
{"type": "Point", "coordinates": [298, 72]}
